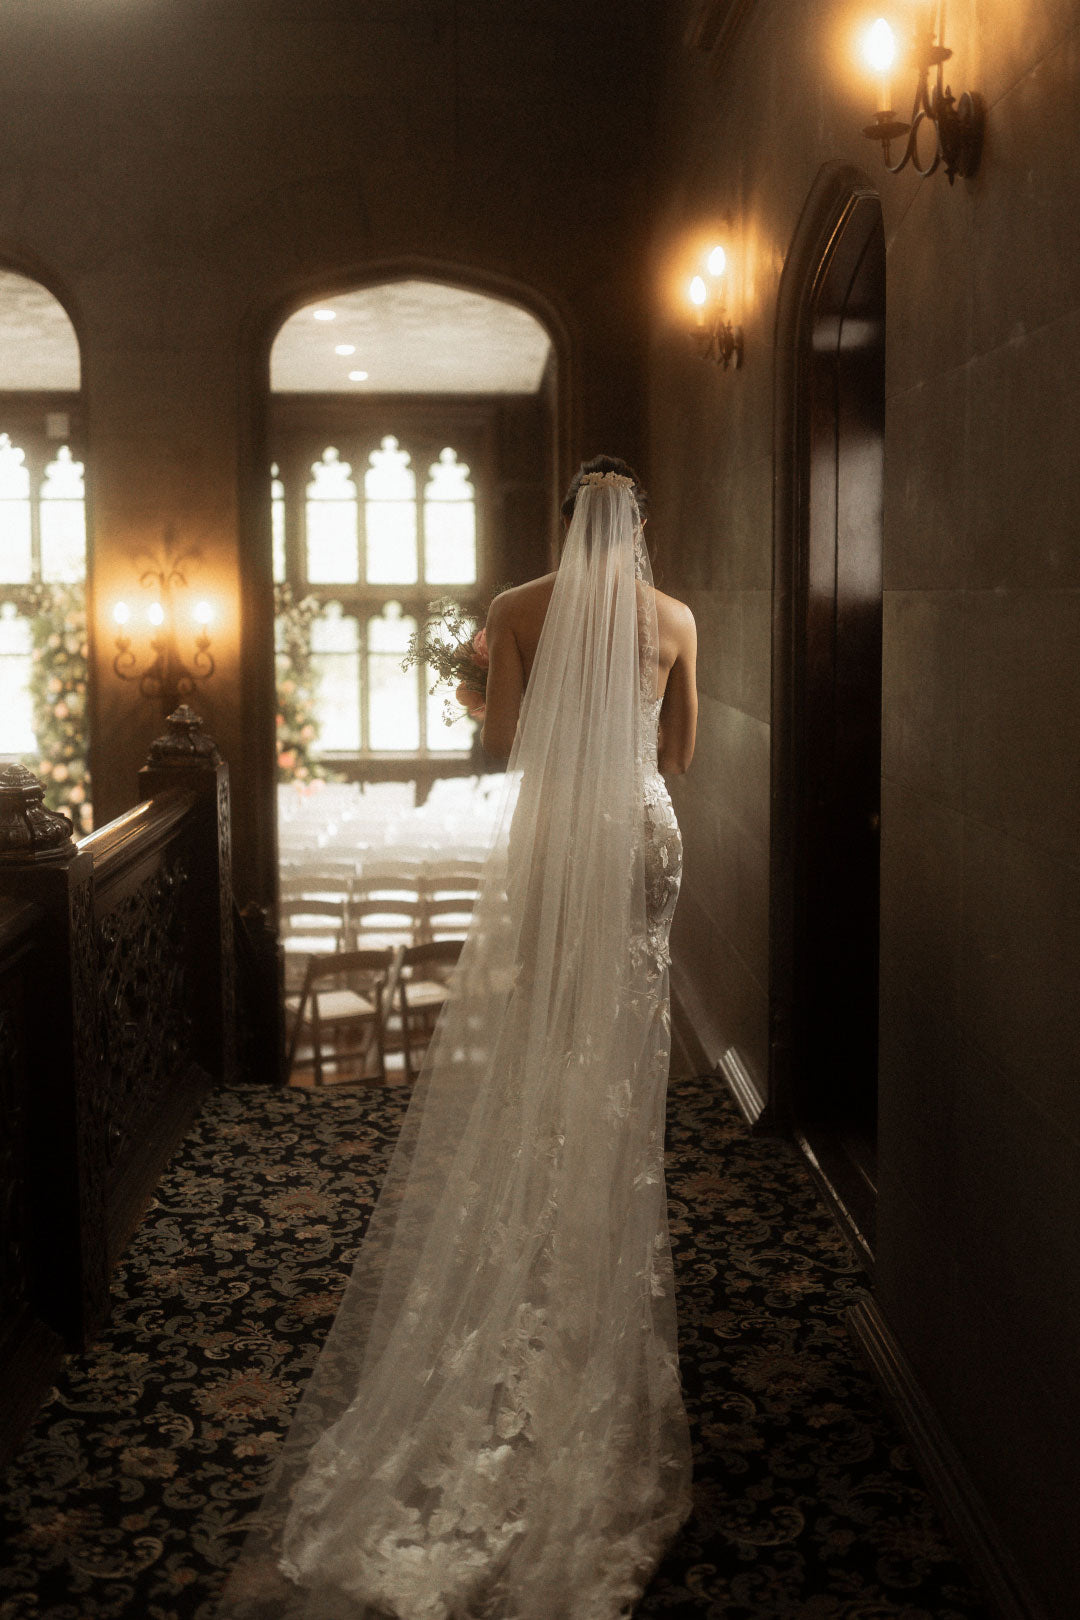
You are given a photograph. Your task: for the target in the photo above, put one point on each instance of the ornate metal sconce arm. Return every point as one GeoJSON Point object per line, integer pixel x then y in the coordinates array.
{"type": "Point", "coordinates": [165, 676]}
{"type": "Point", "coordinates": [957, 124]}
{"type": "Point", "coordinates": [204, 659]}
{"type": "Point", "coordinates": [124, 662]}
{"type": "Point", "coordinates": [720, 342]}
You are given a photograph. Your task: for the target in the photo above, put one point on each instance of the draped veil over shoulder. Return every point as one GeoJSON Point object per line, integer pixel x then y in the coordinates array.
{"type": "Point", "coordinates": [495, 1427]}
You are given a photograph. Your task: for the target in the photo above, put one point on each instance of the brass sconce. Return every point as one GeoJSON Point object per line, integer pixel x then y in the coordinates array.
{"type": "Point", "coordinates": [714, 335]}
{"type": "Point", "coordinates": [166, 676]}
{"type": "Point", "coordinates": [957, 125]}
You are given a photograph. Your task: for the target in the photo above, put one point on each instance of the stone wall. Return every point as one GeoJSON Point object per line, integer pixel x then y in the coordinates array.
{"type": "Point", "coordinates": [182, 177]}
{"type": "Point", "coordinates": [979, 1209]}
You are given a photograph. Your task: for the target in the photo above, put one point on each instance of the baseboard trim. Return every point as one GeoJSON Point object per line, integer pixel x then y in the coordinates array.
{"type": "Point", "coordinates": [943, 1468]}
{"type": "Point", "coordinates": [854, 1224]}
{"type": "Point", "coordinates": [685, 1031]}
{"type": "Point", "coordinates": [750, 1102]}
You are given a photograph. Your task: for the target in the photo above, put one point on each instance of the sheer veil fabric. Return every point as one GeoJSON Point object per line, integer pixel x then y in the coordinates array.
{"type": "Point", "coordinates": [495, 1427]}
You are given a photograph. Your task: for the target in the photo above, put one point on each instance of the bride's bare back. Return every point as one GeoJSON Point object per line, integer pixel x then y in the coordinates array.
{"type": "Point", "coordinates": [514, 623]}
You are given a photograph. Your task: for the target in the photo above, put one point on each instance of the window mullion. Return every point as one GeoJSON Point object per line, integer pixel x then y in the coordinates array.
{"type": "Point", "coordinates": [35, 466]}
{"type": "Point", "coordinates": [361, 460]}
{"type": "Point", "coordinates": [419, 613]}
{"type": "Point", "coordinates": [362, 614]}
{"type": "Point", "coordinates": [293, 478]}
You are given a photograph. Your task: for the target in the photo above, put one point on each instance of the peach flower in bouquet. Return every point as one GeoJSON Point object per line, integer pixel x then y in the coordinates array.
{"type": "Point", "coordinates": [456, 652]}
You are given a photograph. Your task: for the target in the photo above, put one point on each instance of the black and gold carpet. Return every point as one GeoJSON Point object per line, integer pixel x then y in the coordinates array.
{"type": "Point", "coordinates": [126, 1499]}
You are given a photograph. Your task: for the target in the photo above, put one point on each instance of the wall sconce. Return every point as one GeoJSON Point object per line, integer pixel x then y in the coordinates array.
{"type": "Point", "coordinates": [958, 125]}
{"type": "Point", "coordinates": [166, 676]}
{"type": "Point", "coordinates": [712, 332]}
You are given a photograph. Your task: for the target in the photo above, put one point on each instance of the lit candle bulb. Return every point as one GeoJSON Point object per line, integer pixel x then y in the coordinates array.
{"type": "Point", "coordinates": [697, 298]}
{"type": "Point", "coordinates": [716, 262]}
{"type": "Point", "coordinates": [203, 613]}
{"type": "Point", "coordinates": [879, 50]}
{"type": "Point", "coordinates": [156, 613]}
{"type": "Point", "coordinates": [121, 613]}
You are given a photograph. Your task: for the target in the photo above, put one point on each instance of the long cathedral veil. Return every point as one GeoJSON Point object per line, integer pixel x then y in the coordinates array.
{"type": "Point", "coordinates": [494, 1426]}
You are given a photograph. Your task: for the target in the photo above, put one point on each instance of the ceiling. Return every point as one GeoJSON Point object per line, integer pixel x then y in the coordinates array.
{"type": "Point", "coordinates": [38, 346]}
{"type": "Point", "coordinates": [411, 337]}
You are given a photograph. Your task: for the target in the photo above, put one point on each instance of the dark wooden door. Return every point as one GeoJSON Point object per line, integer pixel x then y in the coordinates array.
{"type": "Point", "coordinates": [839, 689]}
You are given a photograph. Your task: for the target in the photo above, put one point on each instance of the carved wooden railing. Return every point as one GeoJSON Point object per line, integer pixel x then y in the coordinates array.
{"type": "Point", "coordinates": [117, 1012]}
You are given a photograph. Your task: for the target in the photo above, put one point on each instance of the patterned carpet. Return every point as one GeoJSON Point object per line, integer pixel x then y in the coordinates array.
{"type": "Point", "coordinates": [126, 1499]}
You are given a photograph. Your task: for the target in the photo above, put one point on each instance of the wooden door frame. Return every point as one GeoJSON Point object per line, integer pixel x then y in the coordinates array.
{"type": "Point", "coordinates": [837, 203]}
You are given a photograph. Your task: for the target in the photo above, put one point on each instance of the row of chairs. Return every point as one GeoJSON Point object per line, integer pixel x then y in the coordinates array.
{"type": "Point", "coordinates": [336, 908]}
{"type": "Point", "coordinates": [359, 1005]}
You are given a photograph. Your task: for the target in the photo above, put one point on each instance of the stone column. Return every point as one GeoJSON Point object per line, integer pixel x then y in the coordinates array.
{"type": "Point", "coordinates": [185, 757]}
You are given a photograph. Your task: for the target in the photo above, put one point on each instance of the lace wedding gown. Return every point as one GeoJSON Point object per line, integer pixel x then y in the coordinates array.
{"type": "Point", "coordinates": [495, 1427]}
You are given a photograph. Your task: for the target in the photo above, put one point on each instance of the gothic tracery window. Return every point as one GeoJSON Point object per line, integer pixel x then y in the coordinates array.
{"type": "Point", "coordinates": [449, 523]}
{"type": "Point", "coordinates": [331, 522]}
{"type": "Point", "coordinates": [390, 516]}
{"type": "Point", "coordinates": [15, 514]}
{"type": "Point", "coordinates": [374, 534]}
{"type": "Point", "coordinates": [42, 542]}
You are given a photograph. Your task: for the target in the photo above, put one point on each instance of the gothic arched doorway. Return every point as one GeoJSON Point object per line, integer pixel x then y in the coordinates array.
{"type": "Point", "coordinates": [827, 691]}
{"type": "Point", "coordinates": [409, 448]}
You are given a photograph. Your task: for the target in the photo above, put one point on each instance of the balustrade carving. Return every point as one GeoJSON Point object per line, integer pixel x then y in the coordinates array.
{"type": "Point", "coordinates": [29, 831]}
{"type": "Point", "coordinates": [144, 1022]}
{"type": "Point", "coordinates": [115, 1017]}
{"type": "Point", "coordinates": [14, 1151]}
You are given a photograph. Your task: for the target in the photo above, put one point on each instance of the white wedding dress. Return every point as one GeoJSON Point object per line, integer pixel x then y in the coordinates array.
{"type": "Point", "coordinates": [495, 1426]}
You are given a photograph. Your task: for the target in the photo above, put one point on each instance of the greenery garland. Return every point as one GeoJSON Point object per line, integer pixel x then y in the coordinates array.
{"type": "Point", "coordinates": [297, 686]}
{"type": "Point", "coordinates": [58, 681]}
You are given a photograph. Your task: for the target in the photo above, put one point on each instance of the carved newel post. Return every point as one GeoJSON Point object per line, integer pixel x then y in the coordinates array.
{"type": "Point", "coordinates": [186, 757]}
{"type": "Point", "coordinates": [40, 862]}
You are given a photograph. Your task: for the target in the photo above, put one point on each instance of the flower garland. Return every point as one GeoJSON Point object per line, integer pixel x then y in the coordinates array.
{"type": "Point", "coordinates": [297, 684]}
{"type": "Point", "coordinates": [58, 680]}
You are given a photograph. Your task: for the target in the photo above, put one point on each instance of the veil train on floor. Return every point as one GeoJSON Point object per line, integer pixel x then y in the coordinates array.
{"type": "Point", "coordinates": [495, 1426]}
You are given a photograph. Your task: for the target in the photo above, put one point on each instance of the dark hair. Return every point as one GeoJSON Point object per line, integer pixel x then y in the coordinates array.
{"type": "Point", "coordinates": [605, 464]}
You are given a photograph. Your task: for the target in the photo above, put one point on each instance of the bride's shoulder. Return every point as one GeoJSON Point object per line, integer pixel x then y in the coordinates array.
{"type": "Point", "coordinates": [672, 609]}
{"type": "Point", "coordinates": [521, 599]}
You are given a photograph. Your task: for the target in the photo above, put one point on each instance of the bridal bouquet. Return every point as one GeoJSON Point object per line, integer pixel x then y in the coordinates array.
{"type": "Point", "coordinates": [456, 652]}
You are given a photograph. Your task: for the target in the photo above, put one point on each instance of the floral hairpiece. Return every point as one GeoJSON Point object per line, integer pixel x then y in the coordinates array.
{"type": "Point", "coordinates": [611, 478]}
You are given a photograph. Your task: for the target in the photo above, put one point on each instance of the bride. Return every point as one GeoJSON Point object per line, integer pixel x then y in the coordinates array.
{"type": "Point", "coordinates": [494, 1427]}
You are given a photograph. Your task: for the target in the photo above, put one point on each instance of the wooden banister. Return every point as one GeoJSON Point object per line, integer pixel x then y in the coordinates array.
{"type": "Point", "coordinates": [117, 1012]}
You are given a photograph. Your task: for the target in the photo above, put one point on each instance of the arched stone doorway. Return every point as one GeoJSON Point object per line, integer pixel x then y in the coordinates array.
{"type": "Point", "coordinates": [410, 446]}
{"type": "Point", "coordinates": [257, 864]}
{"type": "Point", "coordinates": [826, 760]}
{"type": "Point", "coordinates": [410, 434]}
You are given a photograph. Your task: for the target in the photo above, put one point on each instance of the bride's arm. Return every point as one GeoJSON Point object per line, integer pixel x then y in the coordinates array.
{"type": "Point", "coordinates": [505, 681]}
{"type": "Point", "coordinates": [678, 712]}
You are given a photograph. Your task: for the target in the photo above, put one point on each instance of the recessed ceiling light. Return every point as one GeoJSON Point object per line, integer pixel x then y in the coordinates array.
{"type": "Point", "coordinates": [324, 314]}
{"type": "Point", "coordinates": [345, 348]}
{"type": "Point", "coordinates": [358, 376]}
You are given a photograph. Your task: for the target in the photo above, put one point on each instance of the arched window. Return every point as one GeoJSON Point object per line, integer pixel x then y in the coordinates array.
{"type": "Point", "coordinates": [332, 552]}
{"type": "Point", "coordinates": [16, 563]}
{"type": "Point", "coordinates": [277, 522]}
{"type": "Point", "coordinates": [63, 520]}
{"type": "Point", "coordinates": [42, 639]}
{"type": "Point", "coordinates": [335, 649]}
{"type": "Point", "coordinates": [449, 523]}
{"type": "Point", "coordinates": [43, 649]}
{"type": "Point", "coordinates": [390, 516]}
{"type": "Point", "coordinates": [393, 716]}
{"type": "Point", "coordinates": [370, 567]}
{"type": "Point", "coordinates": [403, 417]}
{"type": "Point", "coordinates": [16, 655]}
